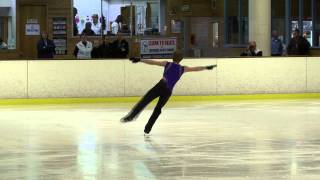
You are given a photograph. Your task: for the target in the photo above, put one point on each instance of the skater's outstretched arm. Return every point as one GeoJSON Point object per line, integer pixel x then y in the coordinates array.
{"type": "Point", "coordinates": [150, 62]}
{"type": "Point", "coordinates": [198, 68]}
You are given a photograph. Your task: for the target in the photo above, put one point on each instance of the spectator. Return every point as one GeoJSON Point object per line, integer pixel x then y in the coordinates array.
{"type": "Point", "coordinates": [96, 53]}
{"type": "Point", "coordinates": [106, 48]}
{"type": "Point", "coordinates": [298, 45]}
{"type": "Point", "coordinates": [120, 47]}
{"type": "Point", "coordinates": [87, 30]}
{"type": "Point", "coordinates": [45, 47]}
{"type": "Point", "coordinates": [276, 45]}
{"type": "Point", "coordinates": [252, 50]}
{"type": "Point", "coordinates": [116, 25]}
{"type": "Point", "coordinates": [83, 48]}
{"type": "Point", "coordinates": [3, 45]}
{"type": "Point", "coordinates": [96, 26]}
{"type": "Point", "coordinates": [75, 26]}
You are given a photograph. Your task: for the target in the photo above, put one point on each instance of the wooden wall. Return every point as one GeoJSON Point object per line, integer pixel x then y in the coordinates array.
{"type": "Point", "coordinates": [63, 8]}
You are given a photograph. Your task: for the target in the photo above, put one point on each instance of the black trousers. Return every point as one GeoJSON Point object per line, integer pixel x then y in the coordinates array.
{"type": "Point", "coordinates": [159, 90]}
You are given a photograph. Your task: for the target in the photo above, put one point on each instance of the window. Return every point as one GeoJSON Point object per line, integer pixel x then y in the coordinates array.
{"type": "Point", "coordinates": [147, 17]}
{"type": "Point", "coordinates": [236, 22]}
{"type": "Point", "coordinates": [8, 24]}
{"type": "Point", "coordinates": [316, 24]}
{"type": "Point", "coordinates": [302, 14]}
{"type": "Point", "coordinates": [87, 14]}
{"type": "Point", "coordinates": [278, 14]}
{"type": "Point", "coordinates": [108, 17]}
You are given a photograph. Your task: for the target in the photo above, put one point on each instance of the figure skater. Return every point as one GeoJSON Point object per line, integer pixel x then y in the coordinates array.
{"type": "Point", "coordinates": [163, 89]}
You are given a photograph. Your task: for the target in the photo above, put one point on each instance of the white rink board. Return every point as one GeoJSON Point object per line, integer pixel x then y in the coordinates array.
{"type": "Point", "coordinates": [13, 79]}
{"type": "Point", "coordinates": [261, 75]}
{"type": "Point", "coordinates": [313, 81]}
{"type": "Point", "coordinates": [117, 78]}
{"type": "Point", "coordinates": [94, 78]}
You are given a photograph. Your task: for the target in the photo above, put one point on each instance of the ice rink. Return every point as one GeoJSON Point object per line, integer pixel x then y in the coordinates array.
{"type": "Point", "coordinates": [256, 140]}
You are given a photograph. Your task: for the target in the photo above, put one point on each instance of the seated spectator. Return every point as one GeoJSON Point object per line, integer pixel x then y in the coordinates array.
{"type": "Point", "coordinates": [106, 48]}
{"type": "Point", "coordinates": [120, 47]}
{"type": "Point", "coordinates": [96, 52]}
{"type": "Point", "coordinates": [276, 45]}
{"type": "Point", "coordinates": [83, 48]}
{"type": "Point", "coordinates": [87, 30]}
{"type": "Point", "coordinates": [45, 47]}
{"type": "Point", "coordinates": [252, 50]}
{"type": "Point", "coordinates": [298, 45]}
{"type": "Point", "coordinates": [3, 45]}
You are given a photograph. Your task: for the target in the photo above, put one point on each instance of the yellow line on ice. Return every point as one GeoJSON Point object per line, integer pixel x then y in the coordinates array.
{"type": "Point", "coordinates": [4, 102]}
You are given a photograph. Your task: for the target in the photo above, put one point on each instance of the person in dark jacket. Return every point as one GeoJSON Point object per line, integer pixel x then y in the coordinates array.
{"type": "Point", "coordinates": [75, 26]}
{"type": "Point", "coordinates": [96, 52]}
{"type": "Point", "coordinates": [88, 29]}
{"type": "Point", "coordinates": [45, 47]}
{"type": "Point", "coordinates": [298, 45]}
{"type": "Point", "coordinates": [120, 47]}
{"type": "Point", "coordinates": [106, 48]}
{"type": "Point", "coordinates": [252, 50]}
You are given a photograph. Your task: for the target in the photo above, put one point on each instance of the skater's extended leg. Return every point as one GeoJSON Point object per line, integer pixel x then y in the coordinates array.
{"type": "Point", "coordinates": [156, 112]}
{"type": "Point", "coordinates": [150, 96]}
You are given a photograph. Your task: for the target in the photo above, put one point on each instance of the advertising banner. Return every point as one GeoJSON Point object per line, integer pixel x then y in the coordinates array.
{"type": "Point", "coordinates": [157, 47]}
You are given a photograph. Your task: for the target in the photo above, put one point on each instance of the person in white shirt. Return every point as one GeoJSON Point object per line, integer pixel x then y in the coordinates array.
{"type": "Point", "coordinates": [116, 25]}
{"type": "Point", "coordinates": [96, 25]}
{"type": "Point", "coordinates": [83, 48]}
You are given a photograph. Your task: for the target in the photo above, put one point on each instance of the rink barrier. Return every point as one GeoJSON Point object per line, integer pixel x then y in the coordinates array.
{"type": "Point", "coordinates": [43, 79]}
{"type": "Point", "coordinates": [218, 98]}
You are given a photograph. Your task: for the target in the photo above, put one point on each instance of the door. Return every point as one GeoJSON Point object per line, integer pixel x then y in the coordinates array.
{"type": "Point", "coordinates": [31, 17]}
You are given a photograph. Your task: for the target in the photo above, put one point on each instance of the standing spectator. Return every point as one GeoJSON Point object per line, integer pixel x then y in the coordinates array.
{"type": "Point", "coordinates": [3, 45]}
{"type": "Point", "coordinates": [298, 45]}
{"type": "Point", "coordinates": [120, 47]}
{"type": "Point", "coordinates": [75, 26]}
{"type": "Point", "coordinates": [45, 47]}
{"type": "Point", "coordinates": [87, 30]}
{"type": "Point", "coordinates": [96, 26]}
{"type": "Point", "coordinates": [83, 48]}
{"type": "Point", "coordinates": [106, 48]}
{"type": "Point", "coordinates": [96, 53]}
{"type": "Point", "coordinates": [117, 25]}
{"type": "Point", "coordinates": [252, 50]}
{"type": "Point", "coordinates": [276, 45]}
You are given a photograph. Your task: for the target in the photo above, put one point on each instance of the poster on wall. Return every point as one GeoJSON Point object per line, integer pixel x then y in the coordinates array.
{"type": "Point", "coordinates": [59, 25]}
{"type": "Point", "coordinates": [32, 29]}
{"type": "Point", "coordinates": [157, 47]}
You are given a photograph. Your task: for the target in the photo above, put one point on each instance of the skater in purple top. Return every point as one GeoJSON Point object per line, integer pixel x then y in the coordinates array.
{"type": "Point", "coordinates": [163, 89]}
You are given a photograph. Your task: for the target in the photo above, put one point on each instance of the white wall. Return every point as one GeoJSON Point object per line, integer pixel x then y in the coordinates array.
{"type": "Point", "coordinates": [109, 78]}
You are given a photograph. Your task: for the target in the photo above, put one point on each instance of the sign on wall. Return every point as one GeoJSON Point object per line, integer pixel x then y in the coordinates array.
{"type": "Point", "coordinates": [32, 29]}
{"type": "Point", "coordinates": [157, 47]}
